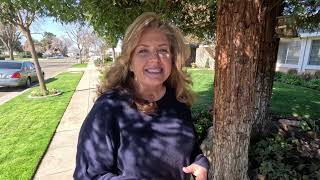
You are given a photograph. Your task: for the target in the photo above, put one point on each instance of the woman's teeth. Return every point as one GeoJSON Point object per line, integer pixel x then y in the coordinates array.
{"type": "Point", "coordinates": [154, 70]}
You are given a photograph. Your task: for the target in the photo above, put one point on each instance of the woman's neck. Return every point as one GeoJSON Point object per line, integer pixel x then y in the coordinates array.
{"type": "Point", "coordinates": [150, 94]}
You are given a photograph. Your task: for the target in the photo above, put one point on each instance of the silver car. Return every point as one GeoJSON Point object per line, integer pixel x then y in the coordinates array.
{"type": "Point", "coordinates": [17, 73]}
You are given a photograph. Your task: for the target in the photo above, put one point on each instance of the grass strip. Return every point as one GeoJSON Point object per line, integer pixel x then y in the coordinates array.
{"type": "Point", "coordinates": [83, 65]}
{"type": "Point", "coordinates": [27, 126]}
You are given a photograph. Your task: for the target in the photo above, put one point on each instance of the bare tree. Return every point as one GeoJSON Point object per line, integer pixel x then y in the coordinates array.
{"type": "Point", "coordinates": [79, 34]}
{"type": "Point", "coordinates": [9, 36]}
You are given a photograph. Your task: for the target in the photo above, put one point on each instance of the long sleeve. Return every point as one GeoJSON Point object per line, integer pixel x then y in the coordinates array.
{"type": "Point", "coordinates": [96, 150]}
{"type": "Point", "coordinates": [197, 156]}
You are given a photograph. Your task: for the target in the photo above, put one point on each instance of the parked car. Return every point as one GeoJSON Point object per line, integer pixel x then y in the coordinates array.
{"type": "Point", "coordinates": [17, 73]}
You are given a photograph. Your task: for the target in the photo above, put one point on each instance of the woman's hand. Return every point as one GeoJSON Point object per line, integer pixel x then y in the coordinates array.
{"type": "Point", "coordinates": [198, 171]}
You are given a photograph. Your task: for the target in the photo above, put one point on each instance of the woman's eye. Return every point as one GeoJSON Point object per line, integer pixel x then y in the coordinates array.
{"type": "Point", "coordinates": [163, 51]}
{"type": "Point", "coordinates": [142, 51]}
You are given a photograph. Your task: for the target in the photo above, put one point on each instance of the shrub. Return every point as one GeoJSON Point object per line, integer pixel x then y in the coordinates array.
{"type": "Point", "coordinates": [2, 58]}
{"type": "Point", "coordinates": [25, 54]}
{"type": "Point", "coordinates": [107, 59]}
{"type": "Point", "coordinates": [293, 79]}
{"type": "Point", "coordinates": [278, 75]}
{"type": "Point", "coordinates": [39, 54]}
{"type": "Point", "coordinates": [97, 62]}
{"type": "Point", "coordinates": [316, 75]}
{"type": "Point", "coordinates": [202, 122]}
{"type": "Point", "coordinates": [313, 84]}
{"type": "Point", "coordinates": [306, 76]}
{"type": "Point", "coordinates": [292, 71]}
{"type": "Point", "coordinates": [280, 157]}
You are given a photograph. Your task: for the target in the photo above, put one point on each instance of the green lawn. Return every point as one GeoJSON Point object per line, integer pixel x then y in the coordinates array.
{"type": "Point", "coordinates": [83, 65]}
{"type": "Point", "coordinates": [27, 126]}
{"type": "Point", "coordinates": [203, 86]}
{"type": "Point", "coordinates": [287, 100]}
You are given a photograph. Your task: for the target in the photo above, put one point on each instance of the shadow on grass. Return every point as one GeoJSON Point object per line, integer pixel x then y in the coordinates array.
{"type": "Point", "coordinates": [51, 80]}
{"type": "Point", "coordinates": [204, 100]}
{"type": "Point", "coordinates": [288, 100]}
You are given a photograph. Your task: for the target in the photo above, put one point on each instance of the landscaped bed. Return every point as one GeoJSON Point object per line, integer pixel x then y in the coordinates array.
{"type": "Point", "coordinates": [27, 126]}
{"type": "Point", "coordinates": [292, 150]}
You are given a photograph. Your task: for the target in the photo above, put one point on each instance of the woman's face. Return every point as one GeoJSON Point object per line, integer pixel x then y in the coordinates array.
{"type": "Point", "coordinates": [151, 60]}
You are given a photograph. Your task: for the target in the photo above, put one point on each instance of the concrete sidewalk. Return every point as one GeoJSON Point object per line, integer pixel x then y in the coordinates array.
{"type": "Point", "coordinates": [59, 160]}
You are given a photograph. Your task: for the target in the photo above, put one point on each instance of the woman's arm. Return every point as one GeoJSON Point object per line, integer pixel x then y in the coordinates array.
{"type": "Point", "coordinates": [97, 145]}
{"type": "Point", "coordinates": [199, 163]}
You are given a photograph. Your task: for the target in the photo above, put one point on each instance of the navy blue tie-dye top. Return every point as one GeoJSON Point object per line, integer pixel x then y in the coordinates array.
{"type": "Point", "coordinates": [117, 141]}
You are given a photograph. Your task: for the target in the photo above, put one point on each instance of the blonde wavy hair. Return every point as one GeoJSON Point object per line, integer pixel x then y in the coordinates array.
{"type": "Point", "coordinates": [119, 75]}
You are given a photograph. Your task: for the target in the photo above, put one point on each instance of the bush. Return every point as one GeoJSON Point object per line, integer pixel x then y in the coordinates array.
{"type": "Point", "coordinates": [313, 84]}
{"type": "Point", "coordinates": [292, 71]}
{"type": "Point", "coordinates": [97, 62]}
{"type": "Point", "coordinates": [306, 76]}
{"type": "Point", "coordinates": [2, 58]}
{"type": "Point", "coordinates": [108, 59]}
{"type": "Point", "coordinates": [39, 54]}
{"type": "Point", "coordinates": [25, 54]}
{"type": "Point", "coordinates": [316, 75]}
{"type": "Point", "coordinates": [278, 75]}
{"type": "Point", "coordinates": [202, 122]}
{"type": "Point", "coordinates": [305, 79]}
{"type": "Point", "coordinates": [280, 157]}
{"type": "Point", "coordinates": [293, 79]}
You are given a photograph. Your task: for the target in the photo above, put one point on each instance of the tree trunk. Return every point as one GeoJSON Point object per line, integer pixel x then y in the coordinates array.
{"type": "Point", "coordinates": [265, 72]}
{"type": "Point", "coordinates": [43, 87]}
{"type": "Point", "coordinates": [241, 39]}
{"type": "Point", "coordinates": [11, 52]}
{"type": "Point", "coordinates": [80, 55]}
{"type": "Point", "coordinates": [113, 54]}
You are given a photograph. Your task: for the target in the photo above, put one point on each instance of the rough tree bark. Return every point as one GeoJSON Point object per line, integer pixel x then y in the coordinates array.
{"type": "Point", "coordinates": [242, 38]}
{"type": "Point", "coordinates": [266, 70]}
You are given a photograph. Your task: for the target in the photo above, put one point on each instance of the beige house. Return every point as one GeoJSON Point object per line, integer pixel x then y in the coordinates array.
{"type": "Point", "coordinates": [205, 56]}
{"type": "Point", "coordinates": [301, 53]}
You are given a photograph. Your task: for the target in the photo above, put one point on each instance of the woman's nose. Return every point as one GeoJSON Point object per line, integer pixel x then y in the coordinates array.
{"type": "Point", "coordinates": [154, 55]}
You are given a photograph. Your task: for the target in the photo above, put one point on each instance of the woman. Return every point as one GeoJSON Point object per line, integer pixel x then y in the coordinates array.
{"type": "Point", "coordinates": [140, 127]}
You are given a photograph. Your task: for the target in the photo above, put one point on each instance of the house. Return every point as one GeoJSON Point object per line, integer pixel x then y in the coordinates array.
{"type": "Point", "coordinates": [205, 56]}
{"type": "Point", "coordinates": [300, 53]}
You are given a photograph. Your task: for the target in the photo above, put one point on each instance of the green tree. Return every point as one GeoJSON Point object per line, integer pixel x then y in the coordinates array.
{"type": "Point", "coordinates": [306, 13]}
{"type": "Point", "coordinates": [110, 18]}
{"type": "Point", "coordinates": [23, 13]}
{"type": "Point", "coordinates": [46, 41]}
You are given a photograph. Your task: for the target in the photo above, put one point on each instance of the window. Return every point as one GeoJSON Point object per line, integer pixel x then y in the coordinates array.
{"type": "Point", "coordinates": [315, 53]}
{"type": "Point", "coordinates": [10, 65]}
{"type": "Point", "coordinates": [288, 52]}
{"type": "Point", "coordinates": [30, 65]}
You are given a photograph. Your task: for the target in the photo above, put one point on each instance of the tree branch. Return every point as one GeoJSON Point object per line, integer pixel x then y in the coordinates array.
{"type": "Point", "coordinates": [30, 20]}
{"type": "Point", "coordinates": [20, 19]}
